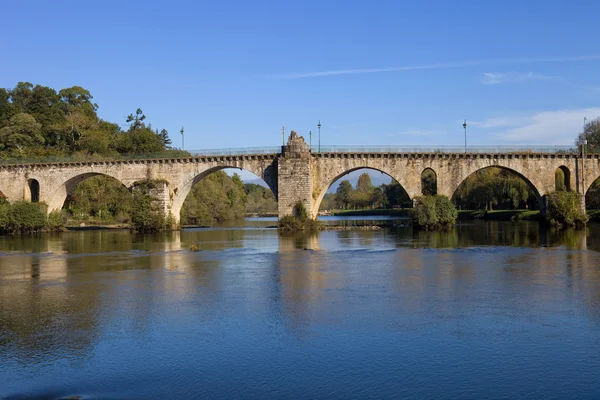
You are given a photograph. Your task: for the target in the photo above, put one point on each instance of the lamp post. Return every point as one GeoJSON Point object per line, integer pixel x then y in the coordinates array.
{"type": "Point", "coordinates": [310, 139]}
{"type": "Point", "coordinates": [182, 142]}
{"type": "Point", "coordinates": [319, 126]}
{"type": "Point", "coordinates": [465, 126]}
{"type": "Point", "coordinates": [283, 135]}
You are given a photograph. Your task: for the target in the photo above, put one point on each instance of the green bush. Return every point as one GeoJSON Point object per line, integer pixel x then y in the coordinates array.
{"type": "Point", "coordinates": [56, 221]}
{"type": "Point", "coordinates": [25, 217]}
{"type": "Point", "coordinates": [145, 215]}
{"type": "Point", "coordinates": [298, 221]}
{"type": "Point", "coordinates": [564, 209]}
{"type": "Point", "coordinates": [433, 212]}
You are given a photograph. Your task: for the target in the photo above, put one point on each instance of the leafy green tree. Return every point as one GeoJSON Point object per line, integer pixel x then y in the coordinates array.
{"type": "Point", "coordinates": [6, 107]}
{"type": "Point", "coordinates": [364, 184]}
{"type": "Point", "coordinates": [395, 195]}
{"type": "Point", "coordinates": [592, 134]}
{"type": "Point", "coordinates": [492, 188]}
{"type": "Point", "coordinates": [259, 200]}
{"type": "Point", "coordinates": [22, 131]}
{"type": "Point", "coordinates": [214, 199]}
{"type": "Point", "coordinates": [428, 182]}
{"type": "Point", "coordinates": [343, 194]}
{"type": "Point", "coordinates": [164, 136]}
{"type": "Point", "coordinates": [21, 96]}
{"type": "Point", "coordinates": [78, 98]}
{"type": "Point", "coordinates": [137, 119]}
{"type": "Point", "coordinates": [378, 198]}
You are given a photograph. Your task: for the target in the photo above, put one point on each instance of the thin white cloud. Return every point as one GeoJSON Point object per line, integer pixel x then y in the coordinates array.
{"type": "Point", "coordinates": [446, 65]}
{"type": "Point", "coordinates": [495, 78]}
{"type": "Point", "coordinates": [558, 127]}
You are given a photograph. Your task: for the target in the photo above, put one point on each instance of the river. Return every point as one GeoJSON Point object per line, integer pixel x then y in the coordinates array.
{"type": "Point", "coordinates": [493, 310]}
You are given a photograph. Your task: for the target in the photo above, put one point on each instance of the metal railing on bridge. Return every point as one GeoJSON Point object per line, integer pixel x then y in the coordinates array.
{"type": "Point", "coordinates": [174, 154]}
{"type": "Point", "coordinates": [446, 149]}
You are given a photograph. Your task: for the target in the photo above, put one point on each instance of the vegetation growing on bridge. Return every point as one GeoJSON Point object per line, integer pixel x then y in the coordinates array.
{"type": "Point", "coordinates": [433, 212]}
{"type": "Point", "coordinates": [299, 221]}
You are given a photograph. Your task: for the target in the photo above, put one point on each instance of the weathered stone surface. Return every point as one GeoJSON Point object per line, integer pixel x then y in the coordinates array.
{"type": "Point", "coordinates": [295, 175]}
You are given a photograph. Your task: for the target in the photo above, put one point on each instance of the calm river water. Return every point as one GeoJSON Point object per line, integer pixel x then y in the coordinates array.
{"type": "Point", "coordinates": [489, 310]}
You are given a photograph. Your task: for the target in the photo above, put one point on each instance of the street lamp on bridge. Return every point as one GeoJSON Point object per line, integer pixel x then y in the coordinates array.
{"type": "Point", "coordinates": [465, 126]}
{"type": "Point", "coordinates": [319, 126]}
{"type": "Point", "coordinates": [182, 142]}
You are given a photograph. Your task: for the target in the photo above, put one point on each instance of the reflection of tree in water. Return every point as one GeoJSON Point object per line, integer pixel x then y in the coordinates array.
{"type": "Point", "coordinates": [53, 320]}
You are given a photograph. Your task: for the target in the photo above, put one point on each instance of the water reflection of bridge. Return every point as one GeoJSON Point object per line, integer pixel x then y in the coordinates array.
{"type": "Point", "coordinates": [63, 293]}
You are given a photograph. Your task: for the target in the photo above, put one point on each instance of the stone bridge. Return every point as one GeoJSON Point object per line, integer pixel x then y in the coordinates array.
{"type": "Point", "coordinates": [295, 173]}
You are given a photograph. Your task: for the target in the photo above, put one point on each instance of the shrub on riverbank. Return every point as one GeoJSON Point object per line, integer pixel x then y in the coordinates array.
{"type": "Point", "coordinates": [145, 213]}
{"type": "Point", "coordinates": [299, 221]}
{"type": "Point", "coordinates": [564, 209]}
{"type": "Point", "coordinates": [25, 217]}
{"type": "Point", "coordinates": [433, 212]}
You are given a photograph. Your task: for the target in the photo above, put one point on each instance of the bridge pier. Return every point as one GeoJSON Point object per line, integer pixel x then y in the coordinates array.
{"type": "Point", "coordinates": [294, 177]}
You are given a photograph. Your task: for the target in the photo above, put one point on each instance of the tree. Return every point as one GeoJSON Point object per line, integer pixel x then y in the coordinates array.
{"type": "Point", "coordinates": [395, 194]}
{"type": "Point", "coordinates": [22, 131]}
{"type": "Point", "coordinates": [428, 182]}
{"type": "Point", "coordinates": [343, 194]}
{"type": "Point", "coordinates": [77, 97]}
{"type": "Point", "coordinates": [21, 96]}
{"type": "Point", "coordinates": [164, 136]}
{"type": "Point", "coordinates": [364, 184]}
{"type": "Point", "coordinates": [6, 107]}
{"type": "Point", "coordinates": [592, 133]}
{"type": "Point", "coordinates": [137, 120]}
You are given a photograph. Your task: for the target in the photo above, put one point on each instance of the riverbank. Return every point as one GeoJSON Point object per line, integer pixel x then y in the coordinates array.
{"type": "Point", "coordinates": [500, 215]}
{"type": "Point", "coordinates": [393, 212]}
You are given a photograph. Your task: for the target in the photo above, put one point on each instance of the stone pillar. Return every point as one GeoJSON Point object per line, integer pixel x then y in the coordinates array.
{"type": "Point", "coordinates": [159, 191]}
{"type": "Point", "coordinates": [294, 176]}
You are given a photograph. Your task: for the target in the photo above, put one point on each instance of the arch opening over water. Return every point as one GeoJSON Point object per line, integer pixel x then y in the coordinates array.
{"type": "Point", "coordinates": [224, 194]}
{"type": "Point", "coordinates": [362, 188]}
{"type": "Point", "coordinates": [95, 196]}
{"type": "Point", "coordinates": [497, 188]}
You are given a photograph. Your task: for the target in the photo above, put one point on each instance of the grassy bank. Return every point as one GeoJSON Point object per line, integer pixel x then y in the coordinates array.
{"type": "Point", "coordinates": [368, 212]}
{"type": "Point", "coordinates": [499, 215]}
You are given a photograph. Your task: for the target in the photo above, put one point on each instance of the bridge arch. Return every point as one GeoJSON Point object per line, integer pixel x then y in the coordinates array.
{"type": "Point", "coordinates": [562, 179]}
{"type": "Point", "coordinates": [534, 189]}
{"type": "Point", "coordinates": [428, 182]}
{"type": "Point", "coordinates": [57, 198]}
{"type": "Point", "coordinates": [32, 191]}
{"type": "Point", "coordinates": [182, 191]}
{"type": "Point", "coordinates": [333, 176]}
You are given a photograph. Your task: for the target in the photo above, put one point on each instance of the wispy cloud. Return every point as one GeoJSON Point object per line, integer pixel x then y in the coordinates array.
{"type": "Point", "coordinates": [557, 127]}
{"type": "Point", "coordinates": [445, 65]}
{"type": "Point", "coordinates": [495, 78]}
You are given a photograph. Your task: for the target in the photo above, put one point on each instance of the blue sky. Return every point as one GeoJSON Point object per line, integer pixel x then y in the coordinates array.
{"type": "Point", "coordinates": [374, 72]}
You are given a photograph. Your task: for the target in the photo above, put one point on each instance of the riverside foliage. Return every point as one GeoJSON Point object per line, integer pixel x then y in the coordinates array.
{"type": "Point", "coordinates": [26, 217]}
{"type": "Point", "coordinates": [433, 212]}
{"type": "Point", "coordinates": [564, 209]}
